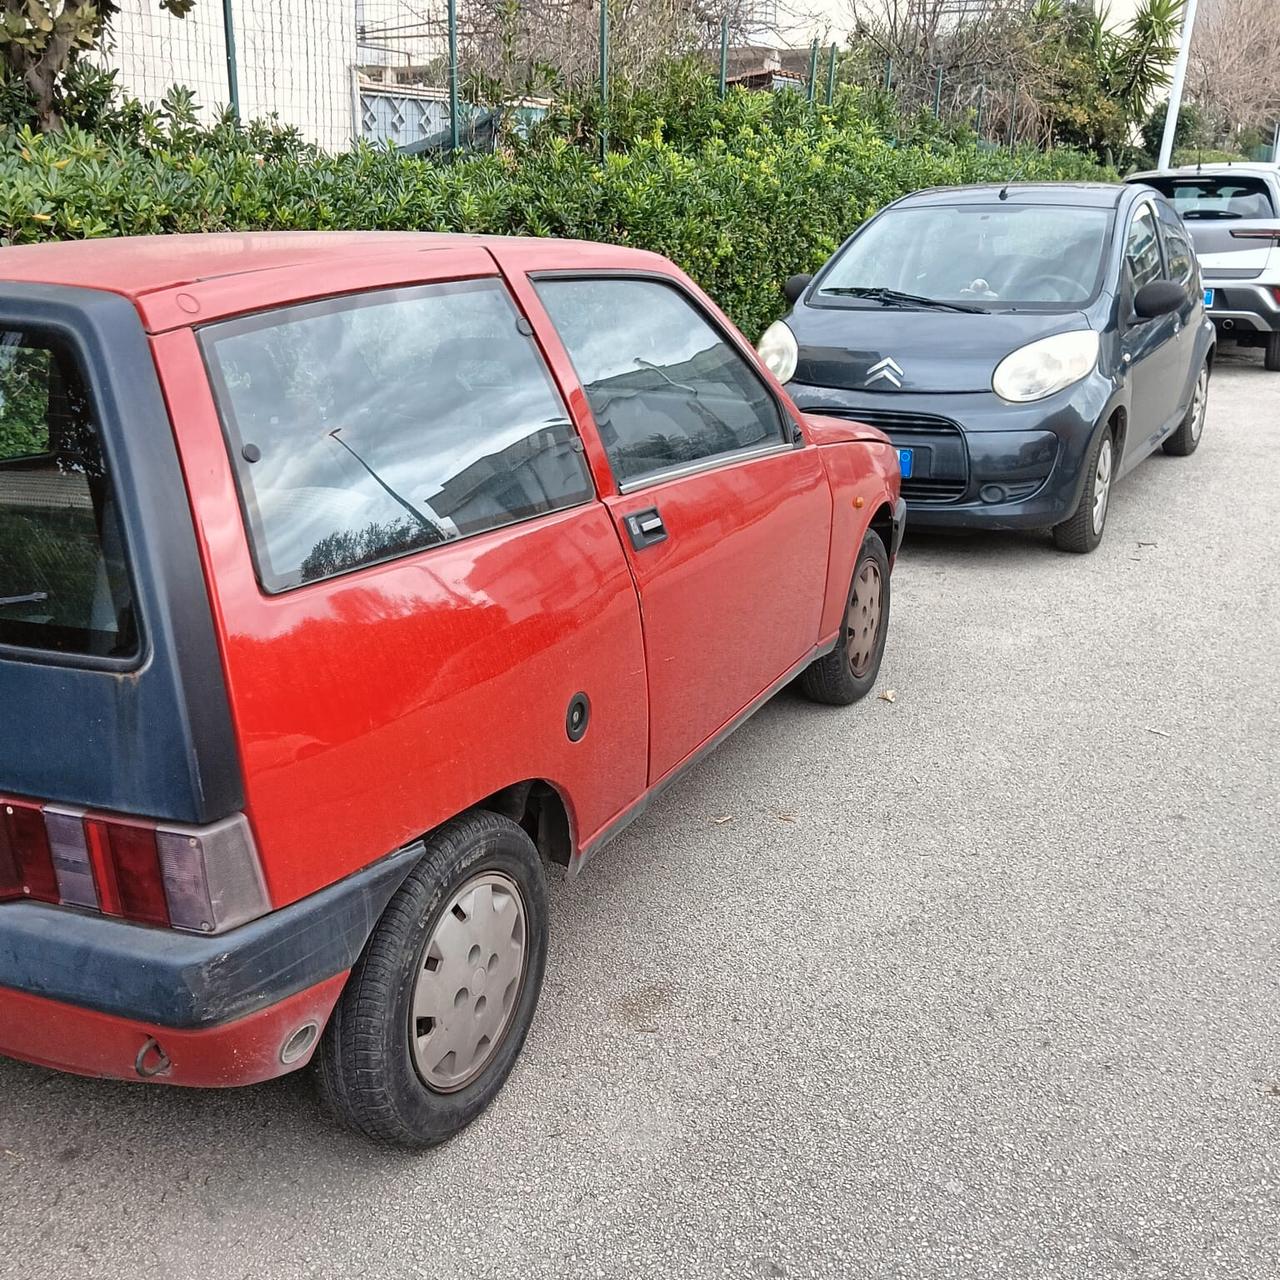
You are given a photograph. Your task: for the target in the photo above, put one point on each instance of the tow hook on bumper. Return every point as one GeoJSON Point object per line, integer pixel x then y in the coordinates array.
{"type": "Point", "coordinates": [151, 1060]}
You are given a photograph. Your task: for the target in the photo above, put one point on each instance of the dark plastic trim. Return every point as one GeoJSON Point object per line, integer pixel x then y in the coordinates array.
{"type": "Point", "coordinates": [185, 980]}
{"type": "Point", "coordinates": [153, 735]}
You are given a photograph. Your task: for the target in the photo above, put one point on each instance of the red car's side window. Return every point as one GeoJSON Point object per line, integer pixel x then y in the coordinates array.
{"type": "Point", "coordinates": [666, 389]}
{"type": "Point", "coordinates": [364, 428]}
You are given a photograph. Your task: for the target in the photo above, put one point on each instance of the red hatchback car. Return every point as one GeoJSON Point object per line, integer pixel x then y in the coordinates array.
{"type": "Point", "coordinates": [345, 580]}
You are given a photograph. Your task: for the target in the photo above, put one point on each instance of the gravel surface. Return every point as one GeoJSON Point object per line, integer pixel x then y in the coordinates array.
{"type": "Point", "coordinates": [980, 982]}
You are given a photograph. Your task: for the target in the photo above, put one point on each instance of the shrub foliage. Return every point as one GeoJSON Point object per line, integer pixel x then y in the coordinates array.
{"type": "Point", "coordinates": [741, 193]}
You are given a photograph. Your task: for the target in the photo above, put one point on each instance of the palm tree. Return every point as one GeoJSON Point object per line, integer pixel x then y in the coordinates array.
{"type": "Point", "coordinates": [1107, 74]}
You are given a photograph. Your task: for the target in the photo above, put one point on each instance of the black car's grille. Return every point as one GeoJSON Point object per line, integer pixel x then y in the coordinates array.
{"type": "Point", "coordinates": [941, 455]}
{"type": "Point", "coordinates": [923, 490]}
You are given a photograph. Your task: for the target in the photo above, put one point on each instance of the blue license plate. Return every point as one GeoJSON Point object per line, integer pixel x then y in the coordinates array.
{"type": "Point", "coordinates": [905, 459]}
{"type": "Point", "coordinates": [1208, 297]}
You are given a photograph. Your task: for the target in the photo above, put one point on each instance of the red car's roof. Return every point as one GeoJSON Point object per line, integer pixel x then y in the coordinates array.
{"type": "Point", "coordinates": [138, 265]}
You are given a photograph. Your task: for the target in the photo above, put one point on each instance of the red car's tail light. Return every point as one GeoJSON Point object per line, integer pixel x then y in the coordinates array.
{"type": "Point", "coordinates": [1275, 289]}
{"type": "Point", "coordinates": [131, 865]}
{"type": "Point", "coordinates": [22, 830]}
{"type": "Point", "coordinates": [212, 879]}
{"type": "Point", "coordinates": [205, 879]}
{"type": "Point", "coordinates": [70, 852]}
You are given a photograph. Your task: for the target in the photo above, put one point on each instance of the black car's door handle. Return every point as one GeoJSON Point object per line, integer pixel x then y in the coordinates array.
{"type": "Point", "coordinates": [645, 528]}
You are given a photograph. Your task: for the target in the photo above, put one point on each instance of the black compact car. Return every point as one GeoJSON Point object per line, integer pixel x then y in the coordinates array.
{"type": "Point", "coordinates": [1023, 347]}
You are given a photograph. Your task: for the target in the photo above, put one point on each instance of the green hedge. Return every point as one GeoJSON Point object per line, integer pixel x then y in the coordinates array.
{"type": "Point", "coordinates": [741, 193]}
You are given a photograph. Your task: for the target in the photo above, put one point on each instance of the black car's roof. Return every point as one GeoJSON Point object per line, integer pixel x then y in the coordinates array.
{"type": "Point", "coordinates": [1094, 195]}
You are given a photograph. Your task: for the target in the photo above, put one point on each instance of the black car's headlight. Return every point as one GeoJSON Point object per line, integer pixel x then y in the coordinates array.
{"type": "Point", "coordinates": [778, 350]}
{"type": "Point", "coordinates": [1045, 366]}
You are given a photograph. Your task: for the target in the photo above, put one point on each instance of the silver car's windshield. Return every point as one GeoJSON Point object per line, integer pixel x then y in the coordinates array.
{"type": "Point", "coordinates": [990, 256]}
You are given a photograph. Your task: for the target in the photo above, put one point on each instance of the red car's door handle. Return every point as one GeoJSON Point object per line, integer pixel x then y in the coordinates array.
{"type": "Point", "coordinates": [645, 528]}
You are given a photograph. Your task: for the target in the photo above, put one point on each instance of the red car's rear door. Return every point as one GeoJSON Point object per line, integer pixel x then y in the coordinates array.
{"type": "Point", "coordinates": [722, 509]}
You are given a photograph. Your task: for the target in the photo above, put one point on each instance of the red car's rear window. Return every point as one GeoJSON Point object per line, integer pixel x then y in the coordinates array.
{"type": "Point", "coordinates": [64, 585]}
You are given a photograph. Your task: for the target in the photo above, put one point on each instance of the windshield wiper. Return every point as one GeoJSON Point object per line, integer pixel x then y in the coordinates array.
{"type": "Point", "coordinates": [662, 373]}
{"type": "Point", "coordinates": [892, 297]}
{"type": "Point", "coordinates": [32, 597]}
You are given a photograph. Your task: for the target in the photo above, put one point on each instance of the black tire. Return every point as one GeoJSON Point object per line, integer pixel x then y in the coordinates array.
{"type": "Point", "coordinates": [1076, 533]}
{"type": "Point", "coordinates": [365, 1065]}
{"type": "Point", "coordinates": [1186, 439]}
{"type": "Point", "coordinates": [1271, 354]}
{"type": "Point", "coordinates": [836, 678]}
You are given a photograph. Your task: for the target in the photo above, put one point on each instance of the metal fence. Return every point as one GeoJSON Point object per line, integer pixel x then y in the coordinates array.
{"type": "Point", "coordinates": [410, 72]}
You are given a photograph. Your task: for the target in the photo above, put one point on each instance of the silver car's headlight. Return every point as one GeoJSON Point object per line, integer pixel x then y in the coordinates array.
{"type": "Point", "coordinates": [779, 351]}
{"type": "Point", "coordinates": [1045, 366]}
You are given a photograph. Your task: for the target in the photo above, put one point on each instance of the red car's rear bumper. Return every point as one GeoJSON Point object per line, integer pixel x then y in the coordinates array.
{"type": "Point", "coordinates": [101, 996]}
{"type": "Point", "coordinates": [267, 1043]}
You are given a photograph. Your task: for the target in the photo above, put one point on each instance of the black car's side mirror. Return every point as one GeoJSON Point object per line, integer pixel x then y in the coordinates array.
{"type": "Point", "coordinates": [1159, 298]}
{"type": "Point", "coordinates": [795, 286]}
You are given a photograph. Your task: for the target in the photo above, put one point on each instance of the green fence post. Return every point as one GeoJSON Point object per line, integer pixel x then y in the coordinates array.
{"type": "Point", "coordinates": [724, 55]}
{"type": "Point", "coordinates": [1013, 115]}
{"type": "Point", "coordinates": [888, 73]}
{"type": "Point", "coordinates": [604, 76]}
{"type": "Point", "coordinates": [831, 75]}
{"type": "Point", "coordinates": [233, 76]}
{"type": "Point", "coordinates": [937, 95]}
{"type": "Point", "coordinates": [982, 96]}
{"type": "Point", "coordinates": [813, 69]}
{"type": "Point", "coordinates": [454, 123]}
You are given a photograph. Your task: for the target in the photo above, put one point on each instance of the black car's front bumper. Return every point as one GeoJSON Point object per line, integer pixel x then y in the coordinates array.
{"type": "Point", "coordinates": [980, 462]}
{"type": "Point", "coordinates": [899, 527]}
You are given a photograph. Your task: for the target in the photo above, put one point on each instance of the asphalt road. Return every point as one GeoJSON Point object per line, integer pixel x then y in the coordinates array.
{"type": "Point", "coordinates": [980, 982]}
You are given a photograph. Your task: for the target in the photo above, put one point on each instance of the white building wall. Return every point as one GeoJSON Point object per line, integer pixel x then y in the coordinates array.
{"type": "Point", "coordinates": [294, 59]}
{"type": "Point", "coordinates": [399, 34]}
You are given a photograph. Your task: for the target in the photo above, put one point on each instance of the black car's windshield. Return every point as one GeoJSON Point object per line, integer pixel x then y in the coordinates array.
{"type": "Point", "coordinates": [1216, 196]}
{"type": "Point", "coordinates": [991, 256]}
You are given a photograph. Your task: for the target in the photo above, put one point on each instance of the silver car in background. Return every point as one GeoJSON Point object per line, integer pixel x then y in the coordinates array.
{"type": "Point", "coordinates": [1233, 214]}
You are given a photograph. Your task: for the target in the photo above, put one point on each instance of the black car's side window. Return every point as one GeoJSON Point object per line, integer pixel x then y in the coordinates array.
{"type": "Point", "coordinates": [665, 387]}
{"type": "Point", "coordinates": [1182, 259]}
{"type": "Point", "coordinates": [1142, 249]}
{"type": "Point", "coordinates": [368, 427]}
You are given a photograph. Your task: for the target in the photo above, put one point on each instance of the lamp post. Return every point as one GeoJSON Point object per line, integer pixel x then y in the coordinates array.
{"type": "Point", "coordinates": [1175, 87]}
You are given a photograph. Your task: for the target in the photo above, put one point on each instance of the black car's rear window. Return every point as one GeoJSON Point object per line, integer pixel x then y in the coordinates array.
{"type": "Point", "coordinates": [64, 586]}
{"type": "Point", "coordinates": [1209, 196]}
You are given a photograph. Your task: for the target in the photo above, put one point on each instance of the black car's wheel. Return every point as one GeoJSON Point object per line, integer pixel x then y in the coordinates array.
{"type": "Point", "coordinates": [1271, 356]}
{"type": "Point", "coordinates": [849, 671]}
{"type": "Point", "coordinates": [437, 1008]}
{"type": "Point", "coordinates": [1082, 530]}
{"type": "Point", "coordinates": [1183, 442]}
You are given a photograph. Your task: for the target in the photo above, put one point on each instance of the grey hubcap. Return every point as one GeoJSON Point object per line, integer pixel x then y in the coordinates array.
{"type": "Point", "coordinates": [1199, 404]}
{"type": "Point", "coordinates": [1102, 486]}
{"type": "Point", "coordinates": [469, 979]}
{"type": "Point", "coordinates": [862, 619]}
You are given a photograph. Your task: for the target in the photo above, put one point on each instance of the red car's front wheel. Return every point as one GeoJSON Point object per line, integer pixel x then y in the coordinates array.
{"type": "Point", "coordinates": [849, 671]}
